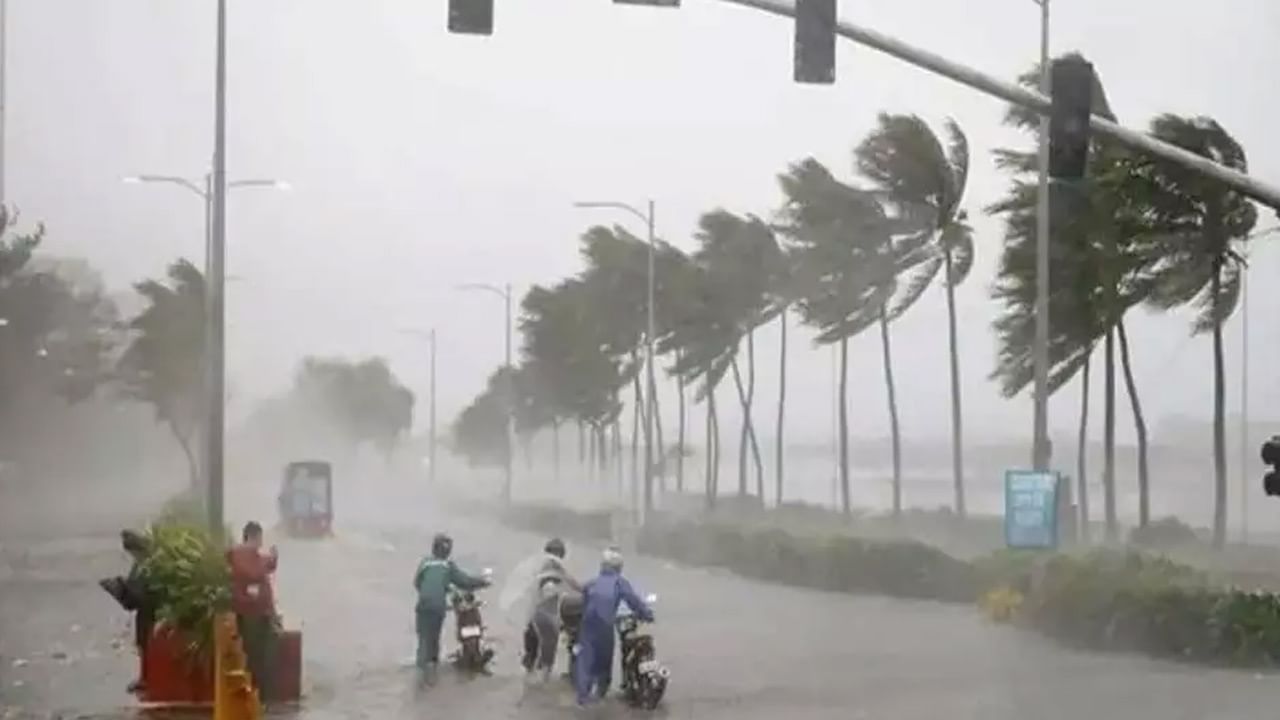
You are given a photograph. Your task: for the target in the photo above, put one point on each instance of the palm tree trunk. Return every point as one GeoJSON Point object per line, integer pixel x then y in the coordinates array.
{"type": "Point", "coordinates": [894, 431]}
{"type": "Point", "coordinates": [1082, 455]}
{"type": "Point", "coordinates": [1109, 439]}
{"type": "Point", "coordinates": [680, 434]}
{"type": "Point", "coordinates": [1219, 418]}
{"type": "Point", "coordinates": [617, 455]}
{"type": "Point", "coordinates": [957, 426]}
{"type": "Point", "coordinates": [751, 403]}
{"type": "Point", "coordinates": [844, 426]}
{"type": "Point", "coordinates": [636, 419]}
{"type": "Point", "coordinates": [555, 451]}
{"type": "Point", "coordinates": [659, 443]}
{"type": "Point", "coordinates": [713, 450]}
{"type": "Point", "coordinates": [742, 436]}
{"type": "Point", "coordinates": [581, 442]}
{"type": "Point", "coordinates": [782, 406]}
{"type": "Point", "coordinates": [1139, 427]}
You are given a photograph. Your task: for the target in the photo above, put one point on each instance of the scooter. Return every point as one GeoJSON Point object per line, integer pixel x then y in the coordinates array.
{"type": "Point", "coordinates": [475, 651]}
{"type": "Point", "coordinates": [644, 678]}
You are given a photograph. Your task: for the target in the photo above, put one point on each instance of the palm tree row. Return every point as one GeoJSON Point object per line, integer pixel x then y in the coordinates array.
{"type": "Point", "coordinates": [846, 256]}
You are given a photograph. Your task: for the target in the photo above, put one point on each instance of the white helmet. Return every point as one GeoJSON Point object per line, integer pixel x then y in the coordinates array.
{"type": "Point", "coordinates": [611, 558]}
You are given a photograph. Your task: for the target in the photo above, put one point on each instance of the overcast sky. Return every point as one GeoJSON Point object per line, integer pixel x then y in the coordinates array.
{"type": "Point", "coordinates": [420, 160]}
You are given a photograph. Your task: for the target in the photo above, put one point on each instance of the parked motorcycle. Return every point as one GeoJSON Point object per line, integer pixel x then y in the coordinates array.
{"type": "Point", "coordinates": [644, 678]}
{"type": "Point", "coordinates": [475, 651]}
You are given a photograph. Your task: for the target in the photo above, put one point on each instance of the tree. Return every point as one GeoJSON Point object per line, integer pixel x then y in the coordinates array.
{"type": "Point", "coordinates": [162, 364]}
{"type": "Point", "coordinates": [925, 181]}
{"type": "Point", "coordinates": [1198, 227]}
{"type": "Point", "coordinates": [844, 265]}
{"type": "Point", "coordinates": [363, 398]}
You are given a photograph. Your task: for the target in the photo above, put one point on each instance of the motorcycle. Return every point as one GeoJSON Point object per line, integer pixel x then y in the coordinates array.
{"type": "Point", "coordinates": [474, 652]}
{"type": "Point", "coordinates": [644, 678]}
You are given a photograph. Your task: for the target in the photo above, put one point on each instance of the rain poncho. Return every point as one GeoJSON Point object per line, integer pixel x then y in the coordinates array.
{"type": "Point", "coordinates": [602, 595]}
{"type": "Point", "coordinates": [536, 585]}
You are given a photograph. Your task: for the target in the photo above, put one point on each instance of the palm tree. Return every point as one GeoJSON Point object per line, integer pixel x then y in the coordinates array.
{"type": "Point", "coordinates": [843, 271]}
{"type": "Point", "coordinates": [925, 183]}
{"type": "Point", "coordinates": [1198, 228]}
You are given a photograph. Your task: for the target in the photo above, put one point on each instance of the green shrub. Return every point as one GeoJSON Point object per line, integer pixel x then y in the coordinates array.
{"type": "Point", "coordinates": [1164, 533]}
{"type": "Point", "coordinates": [185, 571]}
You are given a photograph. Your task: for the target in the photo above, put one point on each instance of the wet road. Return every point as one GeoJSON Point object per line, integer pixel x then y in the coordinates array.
{"type": "Point", "coordinates": [737, 648]}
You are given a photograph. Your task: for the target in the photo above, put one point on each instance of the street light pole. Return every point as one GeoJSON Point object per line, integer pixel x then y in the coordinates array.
{"type": "Point", "coordinates": [431, 453]}
{"type": "Point", "coordinates": [4, 89]}
{"type": "Point", "coordinates": [650, 413]}
{"type": "Point", "coordinates": [504, 292]}
{"type": "Point", "coordinates": [1040, 443]}
{"type": "Point", "coordinates": [214, 329]}
{"type": "Point", "coordinates": [1244, 388]}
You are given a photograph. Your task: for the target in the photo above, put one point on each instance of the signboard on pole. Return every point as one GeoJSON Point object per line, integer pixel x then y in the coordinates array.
{"type": "Point", "coordinates": [1030, 509]}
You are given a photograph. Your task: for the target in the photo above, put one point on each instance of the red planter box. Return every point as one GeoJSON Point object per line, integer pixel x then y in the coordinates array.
{"type": "Point", "coordinates": [170, 677]}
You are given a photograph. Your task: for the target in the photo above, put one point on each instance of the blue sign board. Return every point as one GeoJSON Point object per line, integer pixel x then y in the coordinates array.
{"type": "Point", "coordinates": [1030, 509]}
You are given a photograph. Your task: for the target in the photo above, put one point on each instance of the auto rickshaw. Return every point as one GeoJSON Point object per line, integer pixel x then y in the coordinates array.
{"type": "Point", "coordinates": [306, 499]}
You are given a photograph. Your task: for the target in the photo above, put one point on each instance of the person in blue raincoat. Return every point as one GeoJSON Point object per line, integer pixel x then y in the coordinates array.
{"type": "Point", "coordinates": [601, 597]}
{"type": "Point", "coordinates": [435, 575]}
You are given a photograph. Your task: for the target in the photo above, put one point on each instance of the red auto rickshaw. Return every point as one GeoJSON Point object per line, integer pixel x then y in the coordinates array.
{"type": "Point", "coordinates": [306, 499]}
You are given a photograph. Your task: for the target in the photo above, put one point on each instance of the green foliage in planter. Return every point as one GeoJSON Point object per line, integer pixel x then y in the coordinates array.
{"type": "Point", "coordinates": [186, 574]}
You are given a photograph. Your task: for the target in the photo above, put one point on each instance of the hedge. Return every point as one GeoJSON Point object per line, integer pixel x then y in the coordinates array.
{"type": "Point", "coordinates": [1105, 599]}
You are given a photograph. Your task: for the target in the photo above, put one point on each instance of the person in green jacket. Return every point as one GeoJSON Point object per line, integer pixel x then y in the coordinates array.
{"type": "Point", "coordinates": [435, 575]}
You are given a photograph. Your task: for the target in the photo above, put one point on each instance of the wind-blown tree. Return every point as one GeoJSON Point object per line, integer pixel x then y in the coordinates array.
{"type": "Point", "coordinates": [1098, 271]}
{"type": "Point", "coordinates": [480, 430]}
{"type": "Point", "coordinates": [844, 264]}
{"type": "Point", "coordinates": [1198, 229]}
{"type": "Point", "coordinates": [742, 259]}
{"type": "Point", "coordinates": [162, 364]}
{"type": "Point", "coordinates": [925, 182]}
{"type": "Point", "coordinates": [564, 348]}
{"type": "Point", "coordinates": [365, 399]}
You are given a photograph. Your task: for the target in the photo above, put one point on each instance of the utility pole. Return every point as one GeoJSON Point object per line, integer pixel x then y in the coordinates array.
{"type": "Point", "coordinates": [431, 453]}
{"type": "Point", "coordinates": [4, 90]}
{"type": "Point", "coordinates": [1040, 441]}
{"type": "Point", "coordinates": [649, 419]}
{"type": "Point", "coordinates": [214, 328]}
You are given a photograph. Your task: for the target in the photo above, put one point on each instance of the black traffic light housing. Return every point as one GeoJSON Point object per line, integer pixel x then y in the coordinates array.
{"type": "Point", "coordinates": [815, 45]}
{"type": "Point", "coordinates": [1071, 85]}
{"type": "Point", "coordinates": [1271, 456]}
{"type": "Point", "coordinates": [471, 17]}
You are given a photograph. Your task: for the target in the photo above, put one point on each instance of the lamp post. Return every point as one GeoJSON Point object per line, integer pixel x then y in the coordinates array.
{"type": "Point", "coordinates": [503, 292]}
{"type": "Point", "coordinates": [652, 403]}
{"type": "Point", "coordinates": [1040, 442]}
{"type": "Point", "coordinates": [430, 337]}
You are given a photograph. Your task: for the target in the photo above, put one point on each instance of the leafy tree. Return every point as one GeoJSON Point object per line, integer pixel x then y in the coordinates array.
{"type": "Point", "coordinates": [925, 181]}
{"type": "Point", "coordinates": [1198, 229]}
{"type": "Point", "coordinates": [364, 398]}
{"type": "Point", "coordinates": [480, 431]}
{"type": "Point", "coordinates": [162, 364]}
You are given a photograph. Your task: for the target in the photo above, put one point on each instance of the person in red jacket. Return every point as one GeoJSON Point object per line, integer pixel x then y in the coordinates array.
{"type": "Point", "coordinates": [254, 604]}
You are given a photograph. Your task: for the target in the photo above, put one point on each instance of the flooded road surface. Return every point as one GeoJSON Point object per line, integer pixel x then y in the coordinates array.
{"type": "Point", "coordinates": [737, 648]}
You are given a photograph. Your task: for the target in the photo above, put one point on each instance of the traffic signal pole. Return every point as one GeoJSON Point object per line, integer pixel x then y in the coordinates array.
{"type": "Point", "coordinates": [1037, 101]}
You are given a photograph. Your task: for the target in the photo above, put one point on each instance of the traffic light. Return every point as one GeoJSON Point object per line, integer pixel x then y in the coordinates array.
{"type": "Point", "coordinates": [815, 47]}
{"type": "Point", "coordinates": [1271, 456]}
{"type": "Point", "coordinates": [1071, 83]}
{"type": "Point", "coordinates": [471, 17]}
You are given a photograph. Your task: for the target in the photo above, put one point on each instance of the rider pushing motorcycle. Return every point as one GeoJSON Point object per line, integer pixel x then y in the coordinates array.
{"type": "Point", "coordinates": [601, 597]}
{"type": "Point", "coordinates": [543, 627]}
{"type": "Point", "coordinates": [435, 575]}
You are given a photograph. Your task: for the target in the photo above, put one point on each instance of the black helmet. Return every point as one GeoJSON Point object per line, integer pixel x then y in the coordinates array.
{"type": "Point", "coordinates": [555, 546]}
{"type": "Point", "coordinates": [441, 546]}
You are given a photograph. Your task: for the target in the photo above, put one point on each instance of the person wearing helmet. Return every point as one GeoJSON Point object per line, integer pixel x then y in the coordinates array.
{"type": "Point", "coordinates": [601, 597]}
{"type": "Point", "coordinates": [435, 575]}
{"type": "Point", "coordinates": [543, 627]}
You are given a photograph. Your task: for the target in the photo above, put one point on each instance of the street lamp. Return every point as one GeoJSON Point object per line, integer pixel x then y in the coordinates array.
{"type": "Point", "coordinates": [1245, 450]}
{"type": "Point", "coordinates": [503, 292]}
{"type": "Point", "coordinates": [1040, 442]}
{"type": "Point", "coordinates": [213, 193]}
{"type": "Point", "coordinates": [430, 336]}
{"type": "Point", "coordinates": [650, 331]}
